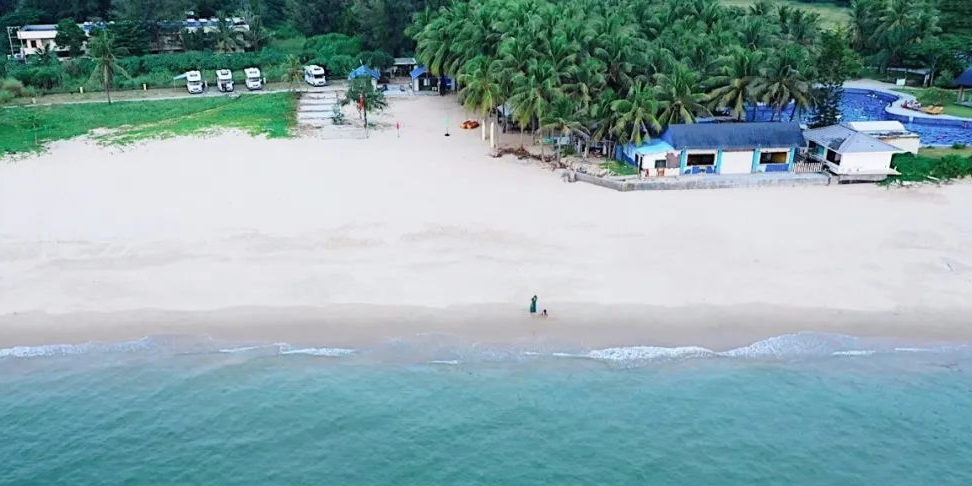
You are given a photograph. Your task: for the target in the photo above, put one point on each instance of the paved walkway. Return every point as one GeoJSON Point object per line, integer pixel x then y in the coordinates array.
{"type": "Point", "coordinates": [728, 181]}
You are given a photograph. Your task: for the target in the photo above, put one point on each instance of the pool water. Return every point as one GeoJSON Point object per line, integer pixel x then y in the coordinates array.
{"type": "Point", "coordinates": [867, 105]}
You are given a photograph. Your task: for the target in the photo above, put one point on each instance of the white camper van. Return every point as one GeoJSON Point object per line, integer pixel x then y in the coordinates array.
{"type": "Point", "coordinates": [314, 75]}
{"type": "Point", "coordinates": [224, 80]}
{"type": "Point", "coordinates": [253, 79]}
{"type": "Point", "coordinates": [194, 83]}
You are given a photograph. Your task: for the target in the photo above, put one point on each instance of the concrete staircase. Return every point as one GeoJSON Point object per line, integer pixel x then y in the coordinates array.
{"type": "Point", "coordinates": [316, 108]}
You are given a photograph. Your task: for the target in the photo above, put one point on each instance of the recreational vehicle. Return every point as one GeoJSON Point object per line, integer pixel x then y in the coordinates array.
{"type": "Point", "coordinates": [194, 83]}
{"type": "Point", "coordinates": [314, 75]}
{"type": "Point", "coordinates": [253, 79]}
{"type": "Point", "coordinates": [224, 80]}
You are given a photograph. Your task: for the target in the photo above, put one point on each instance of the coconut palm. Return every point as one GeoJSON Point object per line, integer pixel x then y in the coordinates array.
{"type": "Point", "coordinates": [228, 39]}
{"type": "Point", "coordinates": [736, 85]}
{"type": "Point", "coordinates": [636, 115]}
{"type": "Point", "coordinates": [481, 91]}
{"type": "Point", "coordinates": [679, 95]}
{"type": "Point", "coordinates": [784, 83]}
{"type": "Point", "coordinates": [104, 53]}
{"type": "Point", "coordinates": [564, 120]}
{"type": "Point", "coordinates": [533, 91]}
{"type": "Point", "coordinates": [293, 71]}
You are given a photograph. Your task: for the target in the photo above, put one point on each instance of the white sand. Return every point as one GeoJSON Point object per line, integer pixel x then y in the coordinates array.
{"type": "Point", "coordinates": [202, 224]}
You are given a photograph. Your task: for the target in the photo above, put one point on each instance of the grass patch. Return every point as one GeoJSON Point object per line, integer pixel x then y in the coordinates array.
{"type": "Point", "coordinates": [831, 14]}
{"type": "Point", "coordinates": [921, 168]}
{"type": "Point", "coordinates": [619, 168]}
{"type": "Point", "coordinates": [25, 129]}
{"type": "Point", "coordinates": [938, 153]}
{"type": "Point", "coordinates": [951, 108]}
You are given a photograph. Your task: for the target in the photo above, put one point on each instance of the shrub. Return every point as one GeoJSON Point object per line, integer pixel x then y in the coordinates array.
{"type": "Point", "coordinates": [935, 96]}
{"type": "Point", "coordinates": [920, 168]}
{"type": "Point", "coordinates": [952, 167]}
{"type": "Point", "coordinates": [12, 86]}
{"type": "Point", "coordinates": [6, 96]}
{"type": "Point", "coordinates": [958, 146]}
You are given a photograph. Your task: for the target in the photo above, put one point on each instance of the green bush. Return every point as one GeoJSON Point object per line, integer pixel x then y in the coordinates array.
{"type": "Point", "coordinates": [12, 86]}
{"type": "Point", "coordinates": [952, 167]}
{"type": "Point", "coordinates": [6, 96]}
{"type": "Point", "coordinates": [920, 168]}
{"type": "Point", "coordinates": [935, 96]}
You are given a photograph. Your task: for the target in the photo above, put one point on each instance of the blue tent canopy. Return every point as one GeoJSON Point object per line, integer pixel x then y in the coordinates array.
{"type": "Point", "coordinates": [363, 71]}
{"type": "Point", "coordinates": [965, 79]}
{"type": "Point", "coordinates": [418, 71]}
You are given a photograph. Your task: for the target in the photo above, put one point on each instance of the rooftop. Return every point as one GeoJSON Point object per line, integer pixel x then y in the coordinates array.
{"type": "Point", "coordinates": [843, 140]}
{"type": "Point", "coordinates": [734, 136]}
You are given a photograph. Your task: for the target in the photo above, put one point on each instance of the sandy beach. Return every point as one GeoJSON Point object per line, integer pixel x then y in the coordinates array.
{"type": "Point", "coordinates": [350, 241]}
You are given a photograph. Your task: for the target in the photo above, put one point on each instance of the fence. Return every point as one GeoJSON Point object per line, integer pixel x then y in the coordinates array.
{"type": "Point", "coordinates": [808, 167]}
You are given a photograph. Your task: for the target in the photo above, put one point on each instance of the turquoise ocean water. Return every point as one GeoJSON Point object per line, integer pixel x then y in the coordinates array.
{"type": "Point", "coordinates": [807, 409]}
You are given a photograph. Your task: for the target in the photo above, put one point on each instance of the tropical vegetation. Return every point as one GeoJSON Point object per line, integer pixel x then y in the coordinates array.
{"type": "Point", "coordinates": [621, 70]}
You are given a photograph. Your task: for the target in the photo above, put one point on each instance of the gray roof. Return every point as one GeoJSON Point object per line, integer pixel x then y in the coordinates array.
{"type": "Point", "coordinates": [734, 136]}
{"type": "Point", "coordinates": [843, 140]}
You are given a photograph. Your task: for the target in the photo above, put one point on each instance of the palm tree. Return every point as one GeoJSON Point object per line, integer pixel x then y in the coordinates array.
{"type": "Point", "coordinates": [256, 37]}
{"type": "Point", "coordinates": [735, 87]}
{"type": "Point", "coordinates": [636, 115]}
{"type": "Point", "coordinates": [533, 91]}
{"type": "Point", "coordinates": [481, 92]}
{"type": "Point", "coordinates": [678, 95]}
{"type": "Point", "coordinates": [293, 71]}
{"type": "Point", "coordinates": [227, 38]}
{"type": "Point", "coordinates": [783, 82]}
{"type": "Point", "coordinates": [563, 119]}
{"type": "Point", "coordinates": [101, 48]}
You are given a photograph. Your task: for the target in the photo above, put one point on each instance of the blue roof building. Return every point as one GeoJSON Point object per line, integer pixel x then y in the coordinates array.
{"type": "Point", "coordinates": [717, 148]}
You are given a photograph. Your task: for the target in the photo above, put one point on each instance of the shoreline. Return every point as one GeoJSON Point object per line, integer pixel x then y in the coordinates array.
{"type": "Point", "coordinates": [570, 325]}
{"type": "Point", "coordinates": [431, 234]}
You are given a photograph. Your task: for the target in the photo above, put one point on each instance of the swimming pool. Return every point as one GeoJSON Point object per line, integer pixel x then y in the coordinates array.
{"type": "Point", "coordinates": [866, 105]}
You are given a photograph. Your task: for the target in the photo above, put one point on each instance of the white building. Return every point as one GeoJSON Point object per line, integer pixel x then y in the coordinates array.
{"type": "Point", "coordinates": [33, 39]}
{"type": "Point", "coordinates": [889, 132]}
{"type": "Point", "coordinates": [849, 154]}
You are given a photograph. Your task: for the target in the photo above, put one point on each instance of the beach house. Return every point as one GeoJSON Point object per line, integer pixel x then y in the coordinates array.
{"type": "Point", "coordinates": [716, 148]}
{"type": "Point", "coordinates": [890, 132]}
{"type": "Point", "coordinates": [849, 154]}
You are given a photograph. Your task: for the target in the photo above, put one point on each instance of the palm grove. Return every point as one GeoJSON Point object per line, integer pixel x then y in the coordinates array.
{"type": "Point", "coordinates": [622, 70]}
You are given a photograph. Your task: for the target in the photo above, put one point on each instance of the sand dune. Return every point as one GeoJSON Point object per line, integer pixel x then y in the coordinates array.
{"type": "Point", "coordinates": [206, 223]}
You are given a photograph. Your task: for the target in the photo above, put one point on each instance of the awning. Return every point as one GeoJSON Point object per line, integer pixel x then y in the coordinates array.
{"type": "Point", "coordinates": [418, 72]}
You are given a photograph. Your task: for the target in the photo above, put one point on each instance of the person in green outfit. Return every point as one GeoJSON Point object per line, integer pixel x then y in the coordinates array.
{"type": "Point", "coordinates": [533, 305]}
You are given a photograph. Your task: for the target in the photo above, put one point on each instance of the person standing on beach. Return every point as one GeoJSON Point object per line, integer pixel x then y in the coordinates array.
{"type": "Point", "coordinates": [533, 305]}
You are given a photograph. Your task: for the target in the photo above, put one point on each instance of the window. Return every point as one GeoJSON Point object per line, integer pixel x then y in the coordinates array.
{"type": "Point", "coordinates": [773, 157]}
{"type": "Point", "coordinates": [701, 159]}
{"type": "Point", "coordinates": [833, 157]}
{"type": "Point", "coordinates": [660, 163]}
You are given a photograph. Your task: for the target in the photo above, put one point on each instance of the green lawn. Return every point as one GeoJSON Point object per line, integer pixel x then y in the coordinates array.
{"type": "Point", "coordinates": [24, 129]}
{"type": "Point", "coordinates": [619, 168]}
{"type": "Point", "coordinates": [830, 14]}
{"type": "Point", "coordinates": [938, 153]}
{"type": "Point", "coordinates": [950, 108]}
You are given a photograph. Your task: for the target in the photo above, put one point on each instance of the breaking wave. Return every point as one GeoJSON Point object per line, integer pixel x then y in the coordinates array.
{"type": "Point", "coordinates": [445, 350]}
